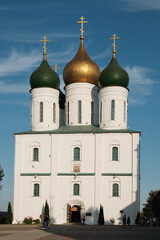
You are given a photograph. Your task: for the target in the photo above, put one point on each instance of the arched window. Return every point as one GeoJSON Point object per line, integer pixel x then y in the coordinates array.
{"type": "Point", "coordinates": [100, 112]}
{"type": "Point", "coordinates": [76, 154]}
{"type": "Point", "coordinates": [76, 189]}
{"type": "Point", "coordinates": [79, 111]}
{"type": "Point", "coordinates": [92, 113]}
{"type": "Point", "coordinates": [124, 112]}
{"type": "Point", "coordinates": [54, 112]}
{"type": "Point", "coordinates": [41, 111]}
{"type": "Point", "coordinates": [35, 154]}
{"type": "Point", "coordinates": [36, 190]}
{"type": "Point", "coordinates": [113, 110]}
{"type": "Point", "coordinates": [115, 190]}
{"type": "Point", "coordinates": [115, 154]}
{"type": "Point", "coordinates": [68, 112]}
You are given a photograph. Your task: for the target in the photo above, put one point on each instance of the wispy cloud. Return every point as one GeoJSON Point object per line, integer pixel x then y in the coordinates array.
{"type": "Point", "coordinates": [18, 62]}
{"type": "Point", "coordinates": [34, 38]}
{"type": "Point", "coordinates": [141, 84]}
{"type": "Point", "coordinates": [104, 54]}
{"type": "Point", "coordinates": [140, 5]}
{"type": "Point", "coordinates": [6, 87]}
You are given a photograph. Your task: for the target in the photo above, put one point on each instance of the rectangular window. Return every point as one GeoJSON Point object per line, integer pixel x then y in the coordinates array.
{"type": "Point", "coordinates": [76, 189]}
{"type": "Point", "coordinates": [68, 112]}
{"type": "Point", "coordinates": [36, 190]}
{"type": "Point", "coordinates": [115, 154]}
{"type": "Point", "coordinates": [35, 154]}
{"type": "Point", "coordinates": [92, 113]}
{"type": "Point", "coordinates": [41, 111]}
{"type": "Point", "coordinates": [79, 111]}
{"type": "Point", "coordinates": [54, 112]}
{"type": "Point", "coordinates": [100, 112]}
{"type": "Point", "coordinates": [124, 112]}
{"type": "Point", "coordinates": [115, 190]}
{"type": "Point", "coordinates": [113, 110]}
{"type": "Point", "coordinates": [76, 154]}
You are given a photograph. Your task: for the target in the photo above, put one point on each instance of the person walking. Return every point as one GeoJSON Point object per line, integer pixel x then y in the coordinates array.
{"type": "Point", "coordinates": [46, 219]}
{"type": "Point", "coordinates": [124, 221]}
{"type": "Point", "coordinates": [154, 221]}
{"type": "Point", "coordinates": [128, 221]}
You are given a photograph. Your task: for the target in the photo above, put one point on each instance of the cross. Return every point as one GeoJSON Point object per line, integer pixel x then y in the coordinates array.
{"type": "Point", "coordinates": [44, 40]}
{"type": "Point", "coordinates": [114, 42]}
{"type": "Point", "coordinates": [82, 22]}
{"type": "Point", "coordinates": [56, 67]}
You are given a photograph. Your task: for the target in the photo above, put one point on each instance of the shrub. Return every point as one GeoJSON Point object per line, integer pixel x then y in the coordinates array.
{"type": "Point", "coordinates": [36, 221]}
{"type": "Point", "coordinates": [28, 220]}
{"type": "Point", "coordinates": [9, 214]}
{"type": "Point", "coordinates": [101, 216]}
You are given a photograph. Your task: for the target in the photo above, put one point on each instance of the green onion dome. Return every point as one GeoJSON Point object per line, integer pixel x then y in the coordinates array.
{"type": "Point", "coordinates": [114, 75]}
{"type": "Point", "coordinates": [62, 99]}
{"type": "Point", "coordinates": [44, 76]}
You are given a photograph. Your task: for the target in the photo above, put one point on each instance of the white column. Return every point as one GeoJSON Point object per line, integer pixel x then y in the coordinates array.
{"type": "Point", "coordinates": [81, 104]}
{"type": "Point", "coordinates": [113, 107]}
{"type": "Point", "coordinates": [44, 109]}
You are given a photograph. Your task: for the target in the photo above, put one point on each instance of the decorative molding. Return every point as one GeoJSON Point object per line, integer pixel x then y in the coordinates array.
{"type": "Point", "coordinates": [116, 174]}
{"type": "Point", "coordinates": [35, 174]}
{"type": "Point", "coordinates": [78, 174]}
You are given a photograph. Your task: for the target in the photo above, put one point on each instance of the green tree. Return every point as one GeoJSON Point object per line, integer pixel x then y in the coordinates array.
{"type": "Point", "coordinates": [152, 208]}
{"type": "Point", "coordinates": [46, 209]}
{"type": "Point", "coordinates": [1, 175]}
{"type": "Point", "coordinates": [9, 214]}
{"type": "Point", "coordinates": [101, 216]}
{"type": "Point", "coordinates": [137, 220]}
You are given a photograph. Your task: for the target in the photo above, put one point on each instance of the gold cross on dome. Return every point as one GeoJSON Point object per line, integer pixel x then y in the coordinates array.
{"type": "Point", "coordinates": [56, 67]}
{"type": "Point", "coordinates": [44, 40]}
{"type": "Point", "coordinates": [82, 22]}
{"type": "Point", "coordinates": [114, 42]}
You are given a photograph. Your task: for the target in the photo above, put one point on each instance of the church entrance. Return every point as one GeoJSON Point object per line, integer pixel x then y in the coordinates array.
{"type": "Point", "coordinates": [75, 214]}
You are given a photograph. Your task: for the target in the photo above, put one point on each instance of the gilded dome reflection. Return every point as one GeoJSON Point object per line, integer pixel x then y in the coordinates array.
{"type": "Point", "coordinates": [81, 68]}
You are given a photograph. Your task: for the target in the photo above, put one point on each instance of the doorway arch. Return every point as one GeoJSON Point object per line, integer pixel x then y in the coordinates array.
{"type": "Point", "coordinates": [76, 213]}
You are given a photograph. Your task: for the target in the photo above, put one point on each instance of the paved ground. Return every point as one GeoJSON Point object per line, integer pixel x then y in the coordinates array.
{"type": "Point", "coordinates": [78, 232]}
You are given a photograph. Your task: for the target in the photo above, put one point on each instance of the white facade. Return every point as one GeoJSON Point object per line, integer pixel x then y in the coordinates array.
{"type": "Point", "coordinates": [113, 107]}
{"type": "Point", "coordinates": [54, 172]}
{"type": "Point", "coordinates": [44, 109]}
{"type": "Point", "coordinates": [81, 104]}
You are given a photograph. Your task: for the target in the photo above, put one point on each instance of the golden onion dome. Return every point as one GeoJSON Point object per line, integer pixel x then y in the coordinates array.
{"type": "Point", "coordinates": [81, 68]}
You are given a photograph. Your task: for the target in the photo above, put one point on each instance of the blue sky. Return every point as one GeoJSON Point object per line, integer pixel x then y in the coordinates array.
{"type": "Point", "coordinates": [24, 23]}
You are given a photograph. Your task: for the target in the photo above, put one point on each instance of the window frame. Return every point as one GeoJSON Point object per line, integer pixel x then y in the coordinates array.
{"type": "Point", "coordinates": [54, 113]}
{"type": "Point", "coordinates": [34, 190]}
{"type": "Point", "coordinates": [115, 190]}
{"type": "Point", "coordinates": [74, 148]}
{"type": "Point", "coordinates": [79, 111]}
{"type": "Point", "coordinates": [35, 159]}
{"type": "Point", "coordinates": [113, 153]}
{"type": "Point", "coordinates": [74, 192]}
{"type": "Point", "coordinates": [112, 110]}
{"type": "Point", "coordinates": [41, 112]}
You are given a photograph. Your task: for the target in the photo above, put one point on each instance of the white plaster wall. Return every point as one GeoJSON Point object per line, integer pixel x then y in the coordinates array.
{"type": "Point", "coordinates": [48, 96]}
{"type": "Point", "coordinates": [56, 157]}
{"type": "Point", "coordinates": [87, 93]}
{"type": "Point", "coordinates": [119, 94]}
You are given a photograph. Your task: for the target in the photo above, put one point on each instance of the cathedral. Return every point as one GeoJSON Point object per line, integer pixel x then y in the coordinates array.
{"type": "Point", "coordinates": [79, 154]}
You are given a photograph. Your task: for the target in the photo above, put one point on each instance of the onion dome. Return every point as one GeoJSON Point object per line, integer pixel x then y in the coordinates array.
{"type": "Point", "coordinates": [44, 76]}
{"type": "Point", "coordinates": [81, 68]}
{"type": "Point", "coordinates": [62, 98]}
{"type": "Point", "coordinates": [114, 74]}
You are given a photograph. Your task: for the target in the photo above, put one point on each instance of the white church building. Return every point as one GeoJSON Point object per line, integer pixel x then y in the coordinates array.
{"type": "Point", "coordinates": [79, 153]}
